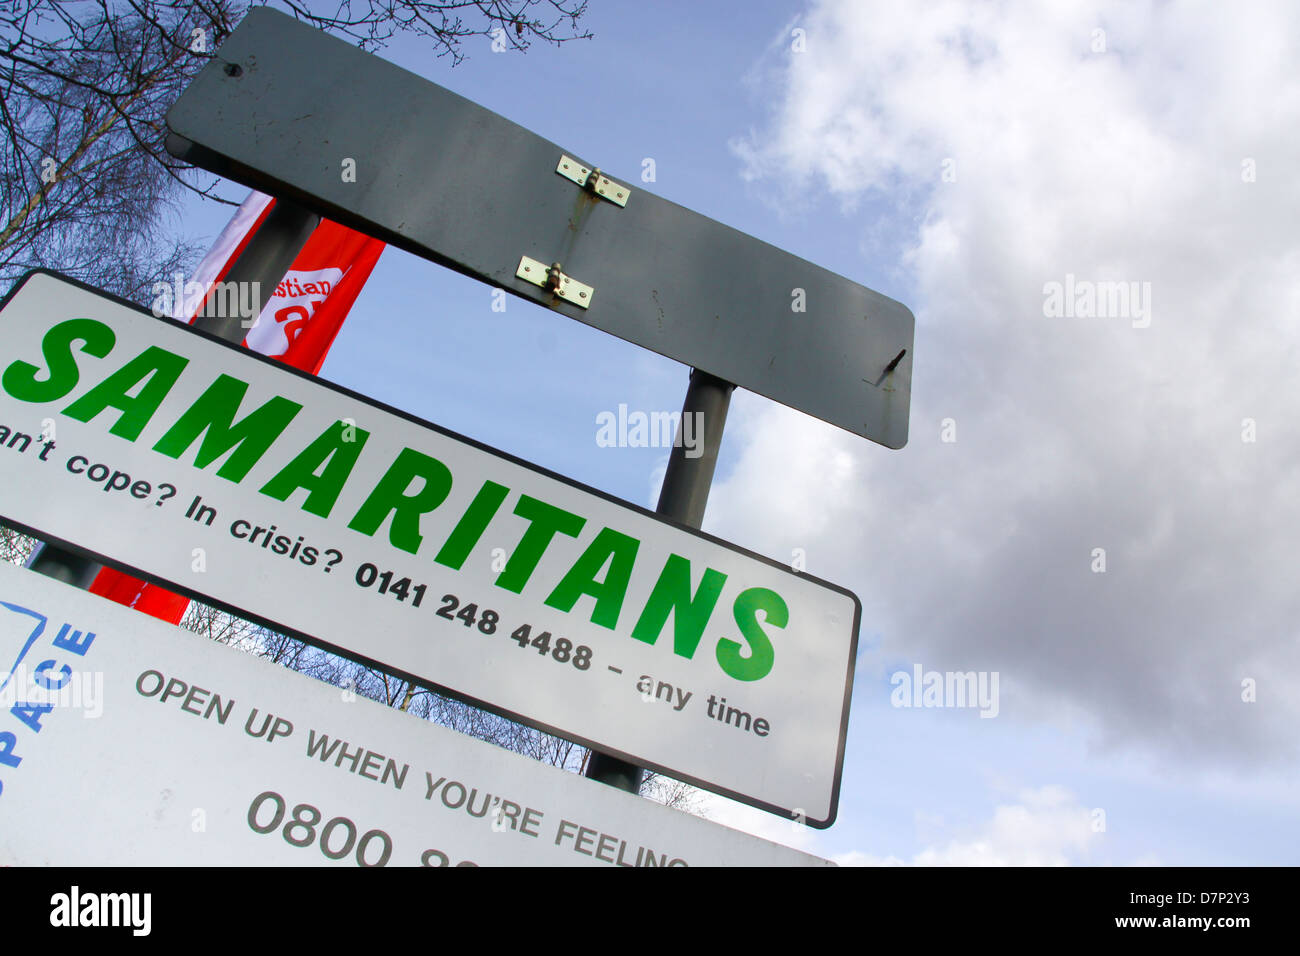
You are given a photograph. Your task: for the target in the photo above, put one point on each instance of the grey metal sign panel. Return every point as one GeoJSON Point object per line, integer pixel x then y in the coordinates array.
{"type": "Point", "coordinates": [282, 107]}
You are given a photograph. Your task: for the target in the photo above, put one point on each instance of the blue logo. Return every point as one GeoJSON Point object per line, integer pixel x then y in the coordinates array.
{"type": "Point", "coordinates": [35, 632]}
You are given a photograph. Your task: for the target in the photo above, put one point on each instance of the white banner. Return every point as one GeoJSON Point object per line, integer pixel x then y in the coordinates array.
{"type": "Point", "coordinates": [127, 741]}
{"type": "Point", "coordinates": [228, 476]}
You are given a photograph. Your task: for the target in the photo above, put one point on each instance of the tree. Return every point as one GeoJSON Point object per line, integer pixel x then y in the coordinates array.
{"type": "Point", "coordinates": [87, 186]}
{"type": "Point", "coordinates": [15, 547]}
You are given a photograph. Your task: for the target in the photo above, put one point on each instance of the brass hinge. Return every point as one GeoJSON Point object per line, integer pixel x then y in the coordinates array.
{"type": "Point", "coordinates": [566, 287]}
{"type": "Point", "coordinates": [594, 180]}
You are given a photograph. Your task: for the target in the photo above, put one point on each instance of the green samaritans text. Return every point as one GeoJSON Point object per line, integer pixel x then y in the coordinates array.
{"type": "Point", "coordinates": [413, 485]}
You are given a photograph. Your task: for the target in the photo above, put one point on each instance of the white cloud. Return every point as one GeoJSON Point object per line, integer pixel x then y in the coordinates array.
{"type": "Point", "coordinates": [1072, 433]}
{"type": "Point", "coordinates": [1047, 827]}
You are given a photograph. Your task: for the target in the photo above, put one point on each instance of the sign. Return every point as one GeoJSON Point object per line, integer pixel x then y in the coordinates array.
{"type": "Point", "coordinates": [128, 741]}
{"type": "Point", "coordinates": [296, 113]}
{"type": "Point", "coordinates": [227, 476]}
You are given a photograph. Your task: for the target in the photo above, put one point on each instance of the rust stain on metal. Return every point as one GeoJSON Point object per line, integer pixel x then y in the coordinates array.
{"type": "Point", "coordinates": [654, 294]}
{"type": "Point", "coordinates": [583, 204]}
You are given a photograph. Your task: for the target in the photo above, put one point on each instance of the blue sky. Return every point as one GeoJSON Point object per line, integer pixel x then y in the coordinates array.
{"type": "Point", "coordinates": [959, 158]}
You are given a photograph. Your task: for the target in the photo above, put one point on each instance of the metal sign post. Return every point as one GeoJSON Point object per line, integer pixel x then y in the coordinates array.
{"type": "Point", "coordinates": [683, 498]}
{"type": "Point", "coordinates": [440, 176]}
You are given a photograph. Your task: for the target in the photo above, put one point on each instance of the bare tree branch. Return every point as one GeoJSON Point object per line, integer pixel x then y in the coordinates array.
{"type": "Point", "coordinates": [85, 178]}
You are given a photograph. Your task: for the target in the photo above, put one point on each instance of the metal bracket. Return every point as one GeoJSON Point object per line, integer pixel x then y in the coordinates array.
{"type": "Point", "coordinates": [551, 277]}
{"type": "Point", "coordinates": [593, 180]}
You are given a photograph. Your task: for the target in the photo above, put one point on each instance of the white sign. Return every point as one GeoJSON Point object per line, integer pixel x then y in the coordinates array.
{"type": "Point", "coordinates": [226, 475]}
{"type": "Point", "coordinates": [126, 741]}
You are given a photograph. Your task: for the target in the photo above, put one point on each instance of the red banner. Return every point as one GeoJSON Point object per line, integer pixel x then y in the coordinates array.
{"type": "Point", "coordinates": [297, 326]}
